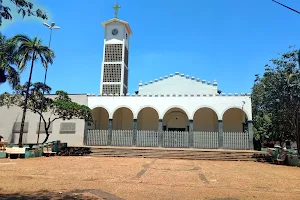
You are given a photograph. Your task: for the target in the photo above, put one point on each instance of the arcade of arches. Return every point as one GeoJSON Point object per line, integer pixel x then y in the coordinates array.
{"type": "Point", "coordinates": [175, 119]}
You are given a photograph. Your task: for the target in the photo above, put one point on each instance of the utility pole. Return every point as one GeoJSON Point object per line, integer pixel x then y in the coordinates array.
{"type": "Point", "coordinates": [51, 27]}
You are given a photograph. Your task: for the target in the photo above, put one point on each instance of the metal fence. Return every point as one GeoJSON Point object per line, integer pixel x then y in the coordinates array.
{"type": "Point", "coordinates": [171, 139]}
{"type": "Point", "coordinates": [235, 140]}
{"type": "Point", "coordinates": [206, 140]}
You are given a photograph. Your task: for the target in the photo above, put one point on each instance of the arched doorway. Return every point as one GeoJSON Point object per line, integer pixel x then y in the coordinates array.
{"type": "Point", "coordinates": [123, 119]}
{"type": "Point", "coordinates": [235, 134]}
{"type": "Point", "coordinates": [100, 119]}
{"type": "Point", "coordinates": [175, 119]}
{"type": "Point", "coordinates": [234, 120]}
{"type": "Point", "coordinates": [206, 120]}
{"type": "Point", "coordinates": [147, 119]}
{"type": "Point", "coordinates": [98, 130]}
{"type": "Point", "coordinates": [205, 128]}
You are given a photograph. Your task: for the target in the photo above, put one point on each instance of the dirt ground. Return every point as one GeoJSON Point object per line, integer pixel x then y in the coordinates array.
{"type": "Point", "coordinates": [139, 178]}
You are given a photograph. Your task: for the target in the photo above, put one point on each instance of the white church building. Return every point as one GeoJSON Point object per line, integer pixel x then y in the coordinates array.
{"type": "Point", "coordinates": [176, 110]}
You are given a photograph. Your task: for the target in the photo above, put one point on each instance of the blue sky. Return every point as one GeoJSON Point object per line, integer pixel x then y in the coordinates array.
{"type": "Point", "coordinates": [226, 40]}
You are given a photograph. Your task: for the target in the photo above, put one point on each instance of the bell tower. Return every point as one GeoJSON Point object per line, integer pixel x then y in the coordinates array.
{"type": "Point", "coordinates": [114, 70]}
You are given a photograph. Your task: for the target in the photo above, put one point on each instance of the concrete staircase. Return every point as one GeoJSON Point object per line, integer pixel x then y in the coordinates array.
{"type": "Point", "coordinates": [177, 153]}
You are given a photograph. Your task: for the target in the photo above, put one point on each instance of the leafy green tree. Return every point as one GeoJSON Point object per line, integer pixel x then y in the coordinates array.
{"type": "Point", "coordinates": [8, 59]}
{"type": "Point", "coordinates": [58, 106]}
{"type": "Point", "coordinates": [276, 99]}
{"type": "Point", "coordinates": [24, 7]}
{"type": "Point", "coordinates": [31, 50]}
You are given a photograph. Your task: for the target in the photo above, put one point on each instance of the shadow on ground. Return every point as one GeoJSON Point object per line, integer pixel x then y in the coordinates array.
{"type": "Point", "coordinates": [47, 195]}
{"type": "Point", "coordinates": [225, 199]}
{"type": "Point", "coordinates": [77, 194]}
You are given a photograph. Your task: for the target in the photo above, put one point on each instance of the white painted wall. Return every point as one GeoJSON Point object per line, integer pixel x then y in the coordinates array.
{"type": "Point", "coordinates": [14, 114]}
{"type": "Point", "coordinates": [177, 85]}
{"type": "Point", "coordinates": [114, 39]}
{"type": "Point", "coordinates": [190, 104]}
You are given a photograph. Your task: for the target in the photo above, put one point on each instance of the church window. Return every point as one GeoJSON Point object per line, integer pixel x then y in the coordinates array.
{"type": "Point", "coordinates": [17, 127]}
{"type": "Point", "coordinates": [42, 127]}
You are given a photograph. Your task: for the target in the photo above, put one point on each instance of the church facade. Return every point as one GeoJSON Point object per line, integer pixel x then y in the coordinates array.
{"type": "Point", "coordinates": [176, 110]}
{"type": "Point", "coordinates": [169, 104]}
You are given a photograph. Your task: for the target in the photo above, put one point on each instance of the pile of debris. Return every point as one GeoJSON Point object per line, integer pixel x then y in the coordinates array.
{"type": "Point", "coordinates": [262, 157]}
{"type": "Point", "coordinates": [74, 151]}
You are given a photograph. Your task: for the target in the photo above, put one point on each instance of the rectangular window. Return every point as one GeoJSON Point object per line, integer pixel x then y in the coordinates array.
{"type": "Point", "coordinates": [67, 128]}
{"type": "Point", "coordinates": [17, 127]}
{"type": "Point", "coordinates": [42, 128]}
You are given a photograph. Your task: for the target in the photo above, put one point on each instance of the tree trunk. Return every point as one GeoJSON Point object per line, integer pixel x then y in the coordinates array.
{"type": "Point", "coordinates": [25, 103]}
{"type": "Point", "coordinates": [46, 139]}
{"type": "Point", "coordinates": [47, 133]}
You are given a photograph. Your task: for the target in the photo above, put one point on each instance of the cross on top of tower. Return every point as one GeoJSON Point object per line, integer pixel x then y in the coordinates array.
{"type": "Point", "coordinates": [116, 7]}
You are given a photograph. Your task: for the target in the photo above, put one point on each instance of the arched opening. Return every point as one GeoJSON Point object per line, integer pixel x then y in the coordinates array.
{"type": "Point", "coordinates": [147, 119]}
{"type": "Point", "coordinates": [206, 120]}
{"type": "Point", "coordinates": [100, 119]}
{"type": "Point", "coordinates": [123, 119]}
{"type": "Point", "coordinates": [175, 120]}
{"type": "Point", "coordinates": [234, 120]}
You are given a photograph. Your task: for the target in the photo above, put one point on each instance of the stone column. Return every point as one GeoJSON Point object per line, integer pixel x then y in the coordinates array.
{"type": "Point", "coordinates": [160, 133]}
{"type": "Point", "coordinates": [191, 133]}
{"type": "Point", "coordinates": [220, 135]}
{"type": "Point", "coordinates": [250, 134]}
{"type": "Point", "coordinates": [134, 132]}
{"type": "Point", "coordinates": [110, 124]}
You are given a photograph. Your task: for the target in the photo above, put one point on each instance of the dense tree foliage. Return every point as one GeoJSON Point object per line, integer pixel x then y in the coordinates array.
{"type": "Point", "coordinates": [23, 7]}
{"type": "Point", "coordinates": [276, 99]}
{"type": "Point", "coordinates": [58, 106]}
{"type": "Point", "coordinates": [8, 61]}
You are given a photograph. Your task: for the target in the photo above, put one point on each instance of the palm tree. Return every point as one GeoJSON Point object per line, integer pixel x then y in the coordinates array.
{"type": "Point", "coordinates": [8, 58]}
{"type": "Point", "coordinates": [31, 50]}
